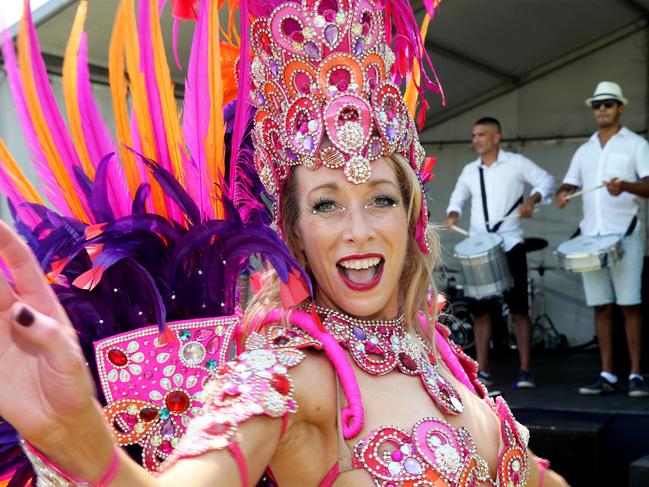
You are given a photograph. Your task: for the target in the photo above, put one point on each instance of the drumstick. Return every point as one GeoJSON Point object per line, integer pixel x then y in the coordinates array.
{"type": "Point", "coordinates": [583, 191]}
{"type": "Point", "coordinates": [508, 217]}
{"type": "Point", "coordinates": [459, 230]}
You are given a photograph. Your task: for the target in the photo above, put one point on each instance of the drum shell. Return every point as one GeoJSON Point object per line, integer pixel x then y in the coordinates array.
{"type": "Point", "coordinates": [486, 273]}
{"type": "Point", "coordinates": [589, 261]}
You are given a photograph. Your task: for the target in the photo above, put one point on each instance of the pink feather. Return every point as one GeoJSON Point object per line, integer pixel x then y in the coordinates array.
{"type": "Point", "coordinates": [51, 113]}
{"type": "Point", "coordinates": [147, 63]}
{"type": "Point", "coordinates": [244, 107]}
{"type": "Point", "coordinates": [98, 139]}
{"type": "Point", "coordinates": [39, 160]}
{"type": "Point", "coordinates": [196, 115]}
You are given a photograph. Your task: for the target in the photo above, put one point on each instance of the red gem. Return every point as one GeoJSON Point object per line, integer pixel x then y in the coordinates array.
{"type": "Point", "coordinates": [177, 402]}
{"type": "Point", "coordinates": [117, 357]}
{"type": "Point", "coordinates": [407, 361]}
{"type": "Point", "coordinates": [166, 448]}
{"type": "Point", "coordinates": [148, 414]}
{"type": "Point", "coordinates": [281, 384]}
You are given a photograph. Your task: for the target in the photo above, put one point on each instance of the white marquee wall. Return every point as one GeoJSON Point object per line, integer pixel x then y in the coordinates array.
{"type": "Point", "coordinates": [550, 108]}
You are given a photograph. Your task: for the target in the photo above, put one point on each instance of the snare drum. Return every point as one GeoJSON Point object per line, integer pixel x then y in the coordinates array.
{"type": "Point", "coordinates": [586, 254]}
{"type": "Point", "coordinates": [484, 265]}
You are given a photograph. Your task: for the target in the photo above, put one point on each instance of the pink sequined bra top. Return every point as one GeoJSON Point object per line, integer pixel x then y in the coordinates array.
{"type": "Point", "coordinates": [435, 453]}
{"type": "Point", "coordinates": [188, 401]}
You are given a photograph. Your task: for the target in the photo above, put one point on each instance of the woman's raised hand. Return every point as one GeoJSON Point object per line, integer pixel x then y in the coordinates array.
{"type": "Point", "coordinates": [46, 390]}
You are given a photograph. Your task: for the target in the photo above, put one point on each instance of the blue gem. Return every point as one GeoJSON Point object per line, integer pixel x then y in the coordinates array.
{"type": "Point", "coordinates": [210, 363]}
{"type": "Point", "coordinates": [185, 335]}
{"type": "Point", "coordinates": [164, 413]}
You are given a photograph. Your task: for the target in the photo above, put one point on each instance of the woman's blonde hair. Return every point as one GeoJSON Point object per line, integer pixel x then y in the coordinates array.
{"type": "Point", "coordinates": [416, 278]}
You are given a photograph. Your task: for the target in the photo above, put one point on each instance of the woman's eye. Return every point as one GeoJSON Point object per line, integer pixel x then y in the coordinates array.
{"type": "Point", "coordinates": [384, 201]}
{"type": "Point", "coordinates": [324, 206]}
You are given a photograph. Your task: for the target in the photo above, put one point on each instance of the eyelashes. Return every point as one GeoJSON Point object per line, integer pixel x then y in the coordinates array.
{"type": "Point", "coordinates": [327, 205]}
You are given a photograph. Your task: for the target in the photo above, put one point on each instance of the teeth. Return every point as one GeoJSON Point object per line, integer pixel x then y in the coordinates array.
{"type": "Point", "coordinates": [358, 264]}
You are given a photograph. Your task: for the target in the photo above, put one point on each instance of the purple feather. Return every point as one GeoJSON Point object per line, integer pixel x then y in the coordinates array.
{"type": "Point", "coordinates": [99, 196]}
{"type": "Point", "coordinates": [139, 202]}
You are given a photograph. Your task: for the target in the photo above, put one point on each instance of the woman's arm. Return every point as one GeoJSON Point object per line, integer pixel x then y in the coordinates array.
{"type": "Point", "coordinates": [49, 396]}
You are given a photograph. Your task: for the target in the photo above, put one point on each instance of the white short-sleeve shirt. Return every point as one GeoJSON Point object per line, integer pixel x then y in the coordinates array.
{"type": "Point", "coordinates": [504, 184]}
{"type": "Point", "coordinates": [625, 156]}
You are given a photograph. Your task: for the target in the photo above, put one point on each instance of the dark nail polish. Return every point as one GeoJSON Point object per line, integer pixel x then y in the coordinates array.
{"type": "Point", "coordinates": [25, 317]}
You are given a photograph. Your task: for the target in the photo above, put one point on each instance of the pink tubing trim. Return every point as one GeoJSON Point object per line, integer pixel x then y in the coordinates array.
{"type": "Point", "coordinates": [331, 476]}
{"type": "Point", "coordinates": [240, 460]}
{"type": "Point", "coordinates": [353, 416]}
{"type": "Point", "coordinates": [106, 478]}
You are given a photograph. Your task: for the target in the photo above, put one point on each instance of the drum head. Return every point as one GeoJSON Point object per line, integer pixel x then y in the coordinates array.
{"type": "Point", "coordinates": [584, 244]}
{"type": "Point", "coordinates": [478, 244]}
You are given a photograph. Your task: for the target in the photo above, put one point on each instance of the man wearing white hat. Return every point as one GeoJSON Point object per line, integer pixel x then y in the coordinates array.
{"type": "Point", "coordinates": [616, 160]}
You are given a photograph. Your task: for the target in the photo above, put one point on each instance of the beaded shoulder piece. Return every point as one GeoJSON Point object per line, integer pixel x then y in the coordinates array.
{"type": "Point", "coordinates": [153, 388]}
{"type": "Point", "coordinates": [255, 383]}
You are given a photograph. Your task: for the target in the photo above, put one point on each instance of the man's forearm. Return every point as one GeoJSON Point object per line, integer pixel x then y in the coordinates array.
{"type": "Point", "coordinates": [639, 189]}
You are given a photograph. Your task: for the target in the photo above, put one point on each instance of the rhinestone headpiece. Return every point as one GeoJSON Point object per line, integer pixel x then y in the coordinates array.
{"type": "Point", "coordinates": [324, 93]}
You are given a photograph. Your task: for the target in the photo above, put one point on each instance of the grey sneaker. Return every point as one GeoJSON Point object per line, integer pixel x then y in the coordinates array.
{"type": "Point", "coordinates": [485, 378]}
{"type": "Point", "coordinates": [525, 380]}
{"type": "Point", "coordinates": [599, 386]}
{"type": "Point", "coordinates": [638, 387]}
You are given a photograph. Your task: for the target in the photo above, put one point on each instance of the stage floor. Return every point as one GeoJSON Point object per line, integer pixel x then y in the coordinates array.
{"type": "Point", "coordinates": [591, 440]}
{"type": "Point", "coordinates": [558, 378]}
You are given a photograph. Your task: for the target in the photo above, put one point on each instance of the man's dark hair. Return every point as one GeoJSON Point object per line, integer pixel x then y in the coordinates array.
{"type": "Point", "coordinates": [489, 121]}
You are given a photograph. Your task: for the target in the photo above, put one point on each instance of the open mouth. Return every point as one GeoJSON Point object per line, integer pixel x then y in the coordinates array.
{"type": "Point", "coordinates": [361, 273]}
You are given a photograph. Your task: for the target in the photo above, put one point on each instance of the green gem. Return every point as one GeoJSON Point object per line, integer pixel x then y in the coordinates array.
{"type": "Point", "coordinates": [185, 335]}
{"type": "Point", "coordinates": [163, 413]}
{"type": "Point", "coordinates": [210, 363]}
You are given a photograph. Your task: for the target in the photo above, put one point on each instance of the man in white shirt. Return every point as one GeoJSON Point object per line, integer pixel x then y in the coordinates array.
{"type": "Point", "coordinates": [503, 176]}
{"type": "Point", "coordinates": [618, 160]}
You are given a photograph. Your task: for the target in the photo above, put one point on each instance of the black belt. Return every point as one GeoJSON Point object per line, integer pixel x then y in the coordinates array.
{"type": "Point", "coordinates": [629, 230]}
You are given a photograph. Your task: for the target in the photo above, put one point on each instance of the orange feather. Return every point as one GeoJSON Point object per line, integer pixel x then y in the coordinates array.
{"type": "Point", "coordinates": [70, 87]}
{"type": "Point", "coordinates": [175, 140]}
{"type": "Point", "coordinates": [119, 92]}
{"type": "Point", "coordinates": [40, 125]}
{"type": "Point", "coordinates": [412, 94]}
{"type": "Point", "coordinates": [214, 149]}
{"type": "Point", "coordinates": [18, 178]}
{"type": "Point", "coordinates": [141, 102]}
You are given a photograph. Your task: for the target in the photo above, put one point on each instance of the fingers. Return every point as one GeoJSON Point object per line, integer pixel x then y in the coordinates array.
{"type": "Point", "coordinates": [7, 295]}
{"type": "Point", "coordinates": [25, 271]}
{"type": "Point", "coordinates": [37, 333]}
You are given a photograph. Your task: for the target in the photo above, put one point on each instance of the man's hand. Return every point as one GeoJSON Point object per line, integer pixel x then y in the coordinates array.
{"type": "Point", "coordinates": [451, 220]}
{"type": "Point", "coordinates": [561, 199]}
{"type": "Point", "coordinates": [615, 187]}
{"type": "Point", "coordinates": [526, 210]}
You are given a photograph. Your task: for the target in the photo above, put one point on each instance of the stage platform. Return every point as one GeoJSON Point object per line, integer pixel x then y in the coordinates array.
{"type": "Point", "coordinates": [591, 440]}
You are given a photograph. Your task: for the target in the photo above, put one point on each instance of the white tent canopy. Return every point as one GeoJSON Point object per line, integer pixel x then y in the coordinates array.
{"type": "Point", "coordinates": [530, 63]}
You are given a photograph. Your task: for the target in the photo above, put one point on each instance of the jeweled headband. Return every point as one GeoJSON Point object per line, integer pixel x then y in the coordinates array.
{"type": "Point", "coordinates": [323, 89]}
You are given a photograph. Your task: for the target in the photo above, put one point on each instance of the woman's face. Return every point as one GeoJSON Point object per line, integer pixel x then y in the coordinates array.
{"type": "Point", "coordinates": [354, 237]}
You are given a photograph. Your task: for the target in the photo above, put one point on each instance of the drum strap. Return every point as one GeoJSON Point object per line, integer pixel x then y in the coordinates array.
{"type": "Point", "coordinates": [485, 211]}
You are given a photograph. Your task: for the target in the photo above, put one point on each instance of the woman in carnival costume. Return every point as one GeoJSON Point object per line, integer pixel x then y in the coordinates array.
{"type": "Point", "coordinates": [348, 381]}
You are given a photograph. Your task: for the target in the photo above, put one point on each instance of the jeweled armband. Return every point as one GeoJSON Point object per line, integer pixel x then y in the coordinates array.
{"type": "Point", "coordinates": [256, 383]}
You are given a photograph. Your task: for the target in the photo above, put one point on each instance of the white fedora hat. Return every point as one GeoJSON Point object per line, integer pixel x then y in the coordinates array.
{"type": "Point", "coordinates": [607, 90]}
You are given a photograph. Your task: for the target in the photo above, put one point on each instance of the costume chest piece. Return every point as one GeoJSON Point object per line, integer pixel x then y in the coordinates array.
{"type": "Point", "coordinates": [381, 346]}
